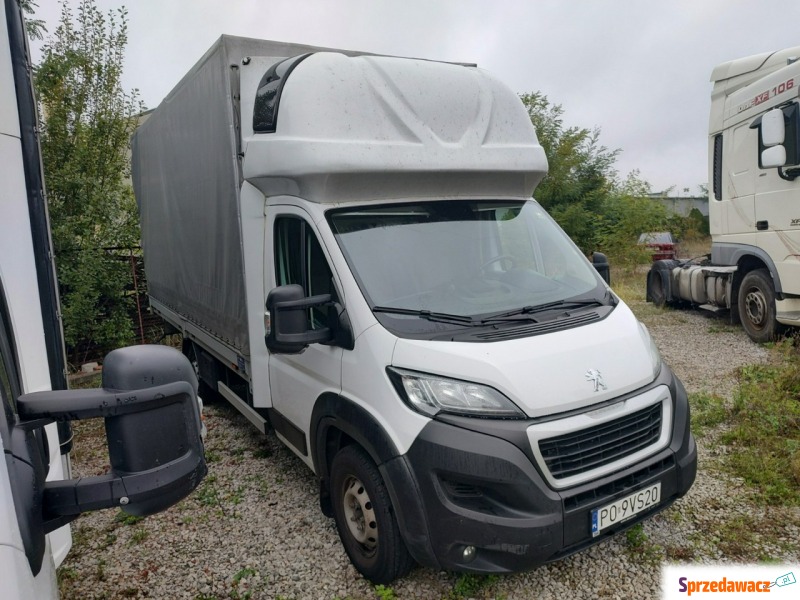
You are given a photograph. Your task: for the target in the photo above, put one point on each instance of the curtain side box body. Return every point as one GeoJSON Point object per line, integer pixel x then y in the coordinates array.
{"type": "Point", "coordinates": [187, 177]}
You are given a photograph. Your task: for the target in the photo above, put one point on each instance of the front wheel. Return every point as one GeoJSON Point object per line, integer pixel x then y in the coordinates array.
{"type": "Point", "coordinates": [757, 306]}
{"type": "Point", "coordinates": [365, 518]}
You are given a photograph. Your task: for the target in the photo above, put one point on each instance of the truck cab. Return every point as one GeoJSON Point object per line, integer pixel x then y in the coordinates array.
{"type": "Point", "coordinates": [753, 270]}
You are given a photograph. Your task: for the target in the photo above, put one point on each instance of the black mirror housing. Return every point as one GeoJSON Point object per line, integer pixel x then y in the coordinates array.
{"type": "Point", "coordinates": [289, 331]}
{"type": "Point", "coordinates": [600, 263]}
{"type": "Point", "coordinates": [152, 418]}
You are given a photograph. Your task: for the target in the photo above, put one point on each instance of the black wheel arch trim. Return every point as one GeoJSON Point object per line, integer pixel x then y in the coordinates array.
{"type": "Point", "coordinates": [336, 411]}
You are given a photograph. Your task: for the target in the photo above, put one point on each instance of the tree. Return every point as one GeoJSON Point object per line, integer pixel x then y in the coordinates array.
{"type": "Point", "coordinates": [581, 172]}
{"type": "Point", "coordinates": [87, 123]}
{"type": "Point", "coordinates": [33, 27]}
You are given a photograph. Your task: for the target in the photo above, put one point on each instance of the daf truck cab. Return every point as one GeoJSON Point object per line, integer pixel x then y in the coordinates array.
{"type": "Point", "coordinates": [753, 270]}
{"type": "Point", "coordinates": [153, 428]}
{"type": "Point", "coordinates": [349, 246]}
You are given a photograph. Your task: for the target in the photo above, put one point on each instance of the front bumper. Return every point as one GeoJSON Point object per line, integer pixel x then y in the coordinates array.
{"type": "Point", "coordinates": [480, 486]}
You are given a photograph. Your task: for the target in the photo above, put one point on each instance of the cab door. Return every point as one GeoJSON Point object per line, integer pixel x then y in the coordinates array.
{"type": "Point", "coordinates": [297, 380]}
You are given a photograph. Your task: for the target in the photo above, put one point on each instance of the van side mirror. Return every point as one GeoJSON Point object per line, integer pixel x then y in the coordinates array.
{"type": "Point", "coordinates": [152, 421]}
{"type": "Point", "coordinates": [289, 330]}
{"type": "Point", "coordinates": [600, 263]}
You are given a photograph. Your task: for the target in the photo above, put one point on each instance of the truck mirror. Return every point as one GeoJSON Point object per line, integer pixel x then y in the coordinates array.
{"type": "Point", "coordinates": [600, 263]}
{"type": "Point", "coordinates": [152, 419]}
{"type": "Point", "coordinates": [290, 330]}
{"type": "Point", "coordinates": [773, 157]}
{"type": "Point", "coordinates": [773, 130]}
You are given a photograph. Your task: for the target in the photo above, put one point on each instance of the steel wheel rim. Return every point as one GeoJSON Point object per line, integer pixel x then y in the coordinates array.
{"type": "Point", "coordinates": [756, 307]}
{"type": "Point", "coordinates": [359, 514]}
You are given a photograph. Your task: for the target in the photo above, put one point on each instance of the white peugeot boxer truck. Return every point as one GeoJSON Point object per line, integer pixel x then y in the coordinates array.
{"type": "Point", "coordinates": [349, 246]}
{"type": "Point", "coordinates": [148, 398]}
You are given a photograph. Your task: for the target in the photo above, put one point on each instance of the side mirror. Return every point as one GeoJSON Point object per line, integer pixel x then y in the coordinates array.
{"type": "Point", "coordinates": [600, 263]}
{"type": "Point", "coordinates": [289, 331]}
{"type": "Point", "coordinates": [152, 419]}
{"type": "Point", "coordinates": [773, 134]}
{"type": "Point", "coordinates": [773, 157]}
{"type": "Point", "coordinates": [773, 130]}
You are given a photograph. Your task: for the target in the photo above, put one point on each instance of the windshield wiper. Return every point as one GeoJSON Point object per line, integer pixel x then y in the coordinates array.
{"type": "Point", "coordinates": [426, 314]}
{"type": "Point", "coordinates": [526, 312]}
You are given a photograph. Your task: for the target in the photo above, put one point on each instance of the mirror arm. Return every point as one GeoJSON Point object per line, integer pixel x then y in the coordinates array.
{"type": "Point", "coordinates": [789, 174]}
{"type": "Point", "coordinates": [40, 408]}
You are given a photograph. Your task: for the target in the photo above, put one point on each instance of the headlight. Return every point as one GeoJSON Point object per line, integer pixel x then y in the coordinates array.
{"type": "Point", "coordinates": [431, 395]}
{"type": "Point", "coordinates": [655, 355]}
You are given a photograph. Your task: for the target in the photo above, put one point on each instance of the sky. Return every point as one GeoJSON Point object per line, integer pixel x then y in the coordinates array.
{"type": "Point", "coordinates": [637, 69]}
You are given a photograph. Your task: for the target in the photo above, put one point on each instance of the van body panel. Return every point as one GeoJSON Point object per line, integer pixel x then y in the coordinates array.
{"type": "Point", "coordinates": [545, 374]}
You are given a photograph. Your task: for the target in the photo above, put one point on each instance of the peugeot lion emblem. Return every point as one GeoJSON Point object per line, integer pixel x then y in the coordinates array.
{"type": "Point", "coordinates": [595, 377]}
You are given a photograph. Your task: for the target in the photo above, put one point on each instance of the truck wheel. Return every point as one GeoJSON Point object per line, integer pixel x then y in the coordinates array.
{"type": "Point", "coordinates": [656, 288]}
{"type": "Point", "coordinates": [757, 306]}
{"type": "Point", "coordinates": [365, 518]}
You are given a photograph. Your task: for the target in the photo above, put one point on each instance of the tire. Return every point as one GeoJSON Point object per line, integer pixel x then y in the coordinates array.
{"type": "Point", "coordinates": [656, 288]}
{"type": "Point", "coordinates": [756, 303]}
{"type": "Point", "coordinates": [365, 518]}
{"type": "Point", "coordinates": [659, 282]}
{"type": "Point", "coordinates": [204, 390]}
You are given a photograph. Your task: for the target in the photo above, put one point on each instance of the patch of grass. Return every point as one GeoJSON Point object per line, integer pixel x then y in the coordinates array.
{"type": "Point", "coordinates": [737, 538]}
{"type": "Point", "coordinates": [641, 548]}
{"type": "Point", "coordinates": [245, 573]}
{"type": "Point", "coordinates": [101, 570]}
{"type": "Point", "coordinates": [212, 457]}
{"type": "Point", "coordinates": [630, 284]}
{"type": "Point", "coordinates": [80, 537]}
{"type": "Point", "coordinates": [765, 430]}
{"type": "Point", "coordinates": [237, 496]}
{"type": "Point", "coordinates": [680, 553]}
{"type": "Point", "coordinates": [385, 592]}
{"type": "Point", "coordinates": [708, 410]}
{"type": "Point", "coordinates": [468, 585]}
{"type": "Point", "coordinates": [635, 537]}
{"type": "Point", "coordinates": [66, 574]}
{"type": "Point", "coordinates": [139, 536]}
{"type": "Point", "coordinates": [126, 519]}
{"type": "Point", "coordinates": [206, 494]}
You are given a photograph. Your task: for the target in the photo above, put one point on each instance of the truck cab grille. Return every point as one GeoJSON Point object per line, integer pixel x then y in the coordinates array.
{"type": "Point", "coordinates": [585, 446]}
{"type": "Point", "coordinates": [590, 448]}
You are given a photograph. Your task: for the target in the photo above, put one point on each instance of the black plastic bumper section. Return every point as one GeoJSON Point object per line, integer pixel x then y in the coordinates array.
{"type": "Point", "coordinates": [457, 488]}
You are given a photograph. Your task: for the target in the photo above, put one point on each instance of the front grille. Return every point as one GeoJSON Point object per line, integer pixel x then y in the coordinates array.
{"type": "Point", "coordinates": [593, 447]}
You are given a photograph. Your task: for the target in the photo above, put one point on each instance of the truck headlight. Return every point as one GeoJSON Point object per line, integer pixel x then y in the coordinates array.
{"type": "Point", "coordinates": [431, 394]}
{"type": "Point", "coordinates": [655, 355]}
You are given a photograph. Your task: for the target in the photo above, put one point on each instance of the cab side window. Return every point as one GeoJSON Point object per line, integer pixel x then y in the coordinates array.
{"type": "Point", "coordinates": [299, 259]}
{"type": "Point", "coordinates": [9, 381]}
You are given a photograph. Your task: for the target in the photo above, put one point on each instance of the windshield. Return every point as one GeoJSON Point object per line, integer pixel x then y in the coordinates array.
{"type": "Point", "coordinates": [462, 258]}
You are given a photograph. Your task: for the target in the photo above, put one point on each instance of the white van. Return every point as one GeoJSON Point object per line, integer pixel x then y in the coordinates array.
{"type": "Point", "coordinates": [468, 389]}
{"type": "Point", "coordinates": [155, 448]}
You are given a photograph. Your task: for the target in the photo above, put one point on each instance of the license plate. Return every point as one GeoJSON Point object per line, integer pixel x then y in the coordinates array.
{"type": "Point", "coordinates": [625, 508]}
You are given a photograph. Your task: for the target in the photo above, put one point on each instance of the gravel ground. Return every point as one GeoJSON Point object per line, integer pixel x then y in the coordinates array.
{"type": "Point", "coordinates": [253, 528]}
